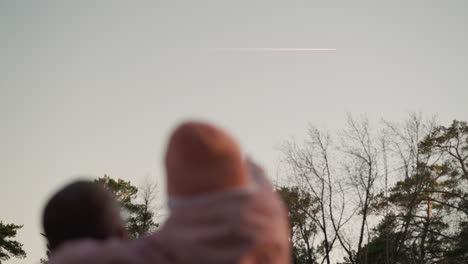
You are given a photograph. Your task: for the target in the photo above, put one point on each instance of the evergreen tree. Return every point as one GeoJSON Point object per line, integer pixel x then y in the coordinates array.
{"type": "Point", "coordinates": [8, 247]}
{"type": "Point", "coordinates": [139, 216]}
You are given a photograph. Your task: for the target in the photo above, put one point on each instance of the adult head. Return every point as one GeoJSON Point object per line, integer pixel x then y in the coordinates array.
{"type": "Point", "coordinates": [82, 209]}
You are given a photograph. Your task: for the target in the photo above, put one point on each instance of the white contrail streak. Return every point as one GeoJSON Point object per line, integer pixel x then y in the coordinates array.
{"type": "Point", "coordinates": [276, 49]}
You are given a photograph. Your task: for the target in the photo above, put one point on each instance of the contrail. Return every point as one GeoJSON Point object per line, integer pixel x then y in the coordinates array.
{"type": "Point", "coordinates": [276, 49]}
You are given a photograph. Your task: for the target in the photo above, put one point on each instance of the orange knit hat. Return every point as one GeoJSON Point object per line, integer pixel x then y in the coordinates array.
{"type": "Point", "coordinates": [201, 158]}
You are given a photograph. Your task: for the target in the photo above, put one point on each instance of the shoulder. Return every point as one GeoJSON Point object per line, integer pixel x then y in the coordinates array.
{"type": "Point", "coordinates": [90, 251]}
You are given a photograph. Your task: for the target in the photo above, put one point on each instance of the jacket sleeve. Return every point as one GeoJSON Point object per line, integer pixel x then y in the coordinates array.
{"type": "Point", "coordinates": [94, 252]}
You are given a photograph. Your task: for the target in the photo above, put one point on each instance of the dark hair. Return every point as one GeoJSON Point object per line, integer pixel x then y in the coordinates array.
{"type": "Point", "coordinates": [82, 209]}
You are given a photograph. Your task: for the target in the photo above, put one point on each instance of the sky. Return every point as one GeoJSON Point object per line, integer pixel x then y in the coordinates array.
{"type": "Point", "coordinates": [89, 88]}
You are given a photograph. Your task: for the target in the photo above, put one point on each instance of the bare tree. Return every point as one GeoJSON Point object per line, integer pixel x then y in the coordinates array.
{"type": "Point", "coordinates": [311, 172]}
{"type": "Point", "coordinates": [361, 152]}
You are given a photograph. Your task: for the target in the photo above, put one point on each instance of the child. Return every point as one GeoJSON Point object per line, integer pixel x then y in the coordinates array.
{"type": "Point", "coordinates": [222, 210]}
{"type": "Point", "coordinates": [82, 209]}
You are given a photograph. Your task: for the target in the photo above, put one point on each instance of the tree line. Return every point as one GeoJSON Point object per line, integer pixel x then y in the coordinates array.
{"type": "Point", "coordinates": [385, 194]}
{"type": "Point", "coordinates": [395, 193]}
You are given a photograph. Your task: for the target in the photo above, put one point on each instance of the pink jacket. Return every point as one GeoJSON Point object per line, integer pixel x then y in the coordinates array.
{"type": "Point", "coordinates": [236, 227]}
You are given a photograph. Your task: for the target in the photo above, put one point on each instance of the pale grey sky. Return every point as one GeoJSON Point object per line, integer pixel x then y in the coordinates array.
{"type": "Point", "coordinates": [94, 87]}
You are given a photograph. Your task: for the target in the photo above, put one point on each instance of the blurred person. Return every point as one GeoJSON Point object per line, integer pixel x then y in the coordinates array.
{"type": "Point", "coordinates": [222, 210]}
